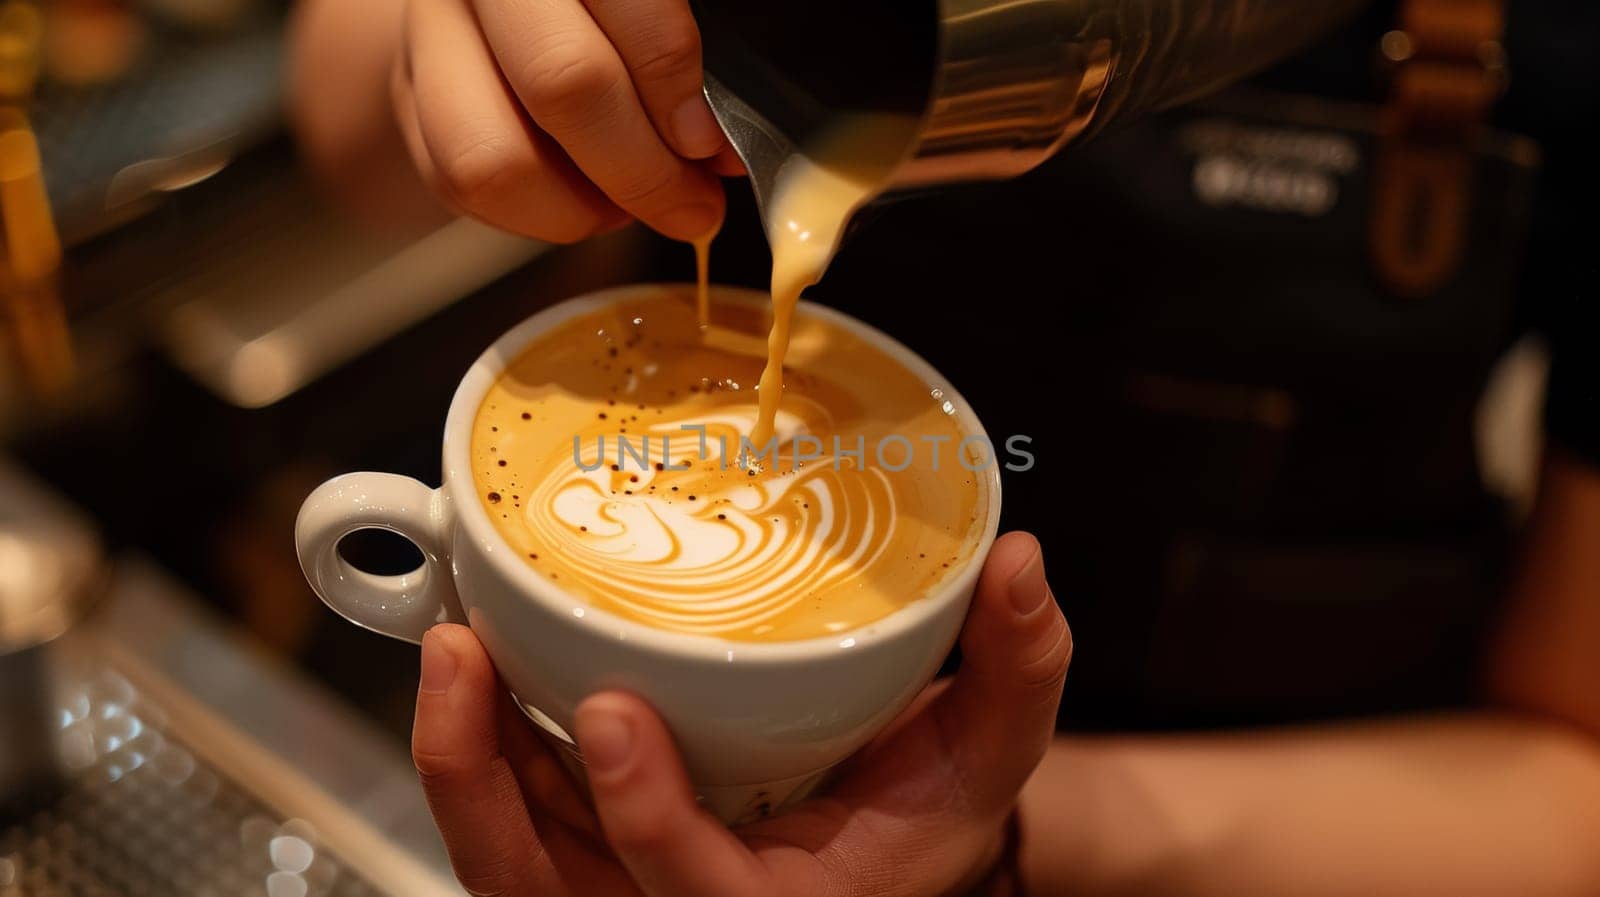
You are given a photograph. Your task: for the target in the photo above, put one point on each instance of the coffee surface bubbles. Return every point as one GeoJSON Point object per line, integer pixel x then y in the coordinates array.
{"type": "Point", "coordinates": [613, 456]}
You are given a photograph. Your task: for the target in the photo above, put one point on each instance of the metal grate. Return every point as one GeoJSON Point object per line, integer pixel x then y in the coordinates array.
{"type": "Point", "coordinates": [143, 816]}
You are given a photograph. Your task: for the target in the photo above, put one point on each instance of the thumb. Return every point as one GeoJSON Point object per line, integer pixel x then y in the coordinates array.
{"type": "Point", "coordinates": [671, 846]}
{"type": "Point", "coordinates": [1000, 712]}
{"type": "Point", "coordinates": [470, 788]}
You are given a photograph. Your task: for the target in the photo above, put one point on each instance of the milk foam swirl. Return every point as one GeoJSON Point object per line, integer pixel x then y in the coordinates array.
{"type": "Point", "coordinates": [691, 541]}
{"type": "Point", "coordinates": [741, 551]}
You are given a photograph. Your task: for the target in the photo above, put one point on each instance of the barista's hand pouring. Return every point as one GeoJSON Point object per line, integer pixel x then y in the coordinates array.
{"type": "Point", "coordinates": [919, 812]}
{"type": "Point", "coordinates": [559, 119]}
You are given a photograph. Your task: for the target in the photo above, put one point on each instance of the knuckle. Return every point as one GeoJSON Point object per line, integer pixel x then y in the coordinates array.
{"type": "Point", "coordinates": [434, 767]}
{"type": "Point", "coordinates": [487, 176]}
{"type": "Point", "coordinates": [480, 168]}
{"type": "Point", "coordinates": [565, 86]}
{"type": "Point", "coordinates": [648, 190]}
{"type": "Point", "coordinates": [499, 879]}
{"type": "Point", "coordinates": [674, 52]}
{"type": "Point", "coordinates": [1047, 670]}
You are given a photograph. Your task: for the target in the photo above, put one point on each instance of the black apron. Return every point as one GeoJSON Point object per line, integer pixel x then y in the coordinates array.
{"type": "Point", "coordinates": [1255, 476]}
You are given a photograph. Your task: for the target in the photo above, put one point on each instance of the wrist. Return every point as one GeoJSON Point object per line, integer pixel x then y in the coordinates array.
{"type": "Point", "coordinates": [1003, 877]}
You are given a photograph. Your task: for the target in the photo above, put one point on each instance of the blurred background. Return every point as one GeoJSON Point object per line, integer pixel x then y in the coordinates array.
{"type": "Point", "coordinates": [1224, 406]}
{"type": "Point", "coordinates": [194, 337]}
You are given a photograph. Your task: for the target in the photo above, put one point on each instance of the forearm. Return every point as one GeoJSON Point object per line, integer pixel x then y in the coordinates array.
{"type": "Point", "coordinates": [1486, 804]}
{"type": "Point", "coordinates": [341, 60]}
{"type": "Point", "coordinates": [1547, 658]}
{"type": "Point", "coordinates": [1498, 802]}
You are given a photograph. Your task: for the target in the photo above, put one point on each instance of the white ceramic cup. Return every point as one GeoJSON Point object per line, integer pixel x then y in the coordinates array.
{"type": "Point", "coordinates": [759, 723]}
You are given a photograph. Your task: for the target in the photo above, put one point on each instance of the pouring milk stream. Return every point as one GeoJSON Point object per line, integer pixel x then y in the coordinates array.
{"type": "Point", "coordinates": [817, 192]}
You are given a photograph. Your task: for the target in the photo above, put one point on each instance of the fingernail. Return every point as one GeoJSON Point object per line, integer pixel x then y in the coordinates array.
{"type": "Point", "coordinates": [1028, 592]}
{"type": "Point", "coordinates": [696, 129]}
{"type": "Point", "coordinates": [689, 222]}
{"type": "Point", "coordinates": [605, 739]}
{"type": "Point", "coordinates": [438, 666]}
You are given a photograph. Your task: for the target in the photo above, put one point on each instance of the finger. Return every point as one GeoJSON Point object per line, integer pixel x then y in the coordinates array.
{"type": "Point", "coordinates": [572, 81]}
{"type": "Point", "coordinates": [584, 867]}
{"type": "Point", "coordinates": [405, 115]}
{"type": "Point", "coordinates": [647, 808]}
{"type": "Point", "coordinates": [727, 163]}
{"type": "Point", "coordinates": [660, 45]}
{"type": "Point", "coordinates": [566, 826]}
{"type": "Point", "coordinates": [545, 782]}
{"type": "Point", "coordinates": [485, 155]}
{"type": "Point", "coordinates": [1000, 712]}
{"type": "Point", "coordinates": [470, 788]}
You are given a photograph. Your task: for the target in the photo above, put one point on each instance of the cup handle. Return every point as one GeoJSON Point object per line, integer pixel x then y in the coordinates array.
{"type": "Point", "coordinates": [402, 606]}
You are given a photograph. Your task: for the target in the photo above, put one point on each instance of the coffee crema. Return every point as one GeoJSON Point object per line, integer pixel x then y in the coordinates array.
{"type": "Point", "coordinates": [608, 456]}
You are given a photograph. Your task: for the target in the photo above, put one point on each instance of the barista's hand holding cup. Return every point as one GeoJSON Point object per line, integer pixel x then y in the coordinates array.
{"type": "Point", "coordinates": [619, 555]}
{"type": "Point", "coordinates": [919, 812]}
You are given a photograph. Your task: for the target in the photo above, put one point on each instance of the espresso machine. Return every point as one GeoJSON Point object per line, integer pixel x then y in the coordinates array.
{"type": "Point", "coordinates": [147, 745]}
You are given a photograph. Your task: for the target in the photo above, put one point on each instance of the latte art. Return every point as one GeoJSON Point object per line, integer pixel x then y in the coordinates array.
{"type": "Point", "coordinates": [609, 456]}
{"type": "Point", "coordinates": [734, 557]}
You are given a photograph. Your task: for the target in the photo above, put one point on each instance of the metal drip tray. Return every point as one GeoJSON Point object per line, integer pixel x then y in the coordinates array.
{"type": "Point", "coordinates": [192, 765]}
{"type": "Point", "coordinates": [142, 814]}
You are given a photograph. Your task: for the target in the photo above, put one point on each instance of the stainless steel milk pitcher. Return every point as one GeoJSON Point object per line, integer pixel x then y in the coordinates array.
{"type": "Point", "coordinates": [996, 86]}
